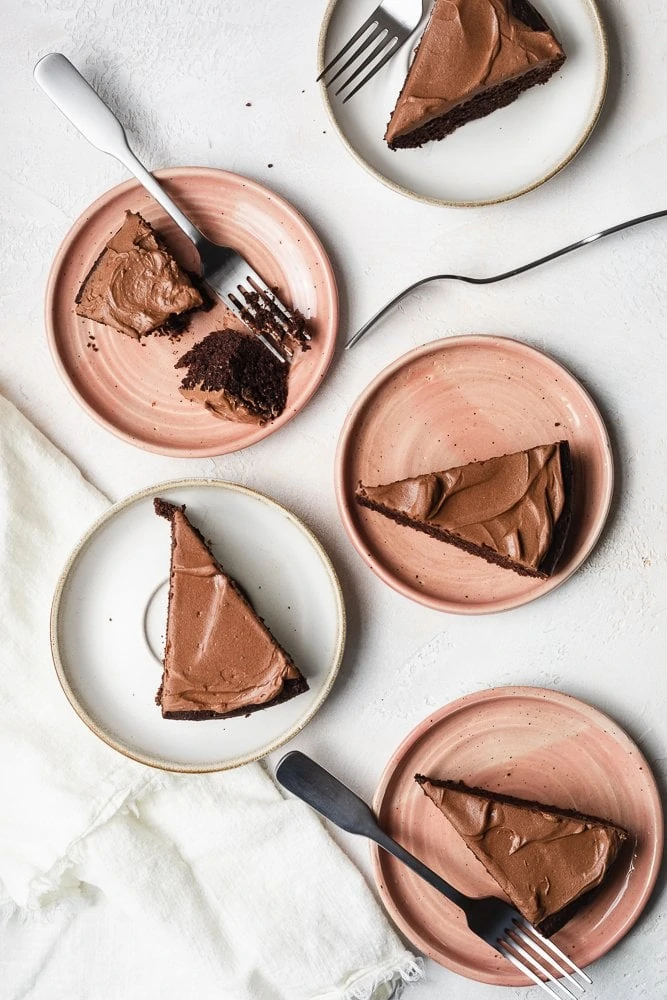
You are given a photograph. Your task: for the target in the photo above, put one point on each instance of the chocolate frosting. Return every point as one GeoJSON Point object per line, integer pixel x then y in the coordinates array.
{"type": "Point", "coordinates": [468, 46]}
{"type": "Point", "coordinates": [509, 504]}
{"type": "Point", "coordinates": [542, 860]}
{"type": "Point", "coordinates": [219, 655]}
{"type": "Point", "coordinates": [136, 285]}
{"type": "Point", "coordinates": [224, 405]}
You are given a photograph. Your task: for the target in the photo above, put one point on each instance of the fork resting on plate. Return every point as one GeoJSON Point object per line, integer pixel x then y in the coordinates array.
{"type": "Point", "coordinates": [494, 921]}
{"type": "Point", "coordinates": [229, 276]}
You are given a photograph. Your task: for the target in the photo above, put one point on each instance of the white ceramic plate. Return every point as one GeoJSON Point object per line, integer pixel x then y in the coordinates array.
{"type": "Point", "coordinates": [110, 608]}
{"type": "Point", "coordinates": [493, 159]}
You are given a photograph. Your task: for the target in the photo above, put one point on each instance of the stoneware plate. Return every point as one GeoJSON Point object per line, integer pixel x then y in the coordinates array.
{"type": "Point", "coordinates": [540, 745]}
{"type": "Point", "coordinates": [131, 387]}
{"type": "Point", "coordinates": [110, 609]}
{"type": "Point", "coordinates": [461, 400]}
{"type": "Point", "coordinates": [490, 160]}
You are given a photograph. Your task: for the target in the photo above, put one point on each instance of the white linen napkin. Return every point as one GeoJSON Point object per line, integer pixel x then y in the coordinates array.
{"type": "Point", "coordinates": [119, 881]}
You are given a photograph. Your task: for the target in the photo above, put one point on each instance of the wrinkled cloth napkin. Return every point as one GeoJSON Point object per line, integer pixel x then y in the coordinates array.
{"type": "Point", "coordinates": [117, 881]}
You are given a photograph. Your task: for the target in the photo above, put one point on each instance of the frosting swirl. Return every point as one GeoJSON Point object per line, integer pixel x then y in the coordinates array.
{"type": "Point", "coordinates": [542, 859]}
{"type": "Point", "coordinates": [509, 504]}
{"type": "Point", "coordinates": [136, 285]}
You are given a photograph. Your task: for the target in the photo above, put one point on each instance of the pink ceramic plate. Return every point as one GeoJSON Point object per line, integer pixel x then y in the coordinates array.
{"type": "Point", "coordinates": [540, 745]}
{"type": "Point", "coordinates": [131, 387]}
{"type": "Point", "coordinates": [461, 400]}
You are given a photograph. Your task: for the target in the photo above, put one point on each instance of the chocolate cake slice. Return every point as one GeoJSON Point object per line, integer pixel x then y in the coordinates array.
{"type": "Point", "coordinates": [235, 377]}
{"type": "Point", "coordinates": [475, 56]}
{"type": "Point", "coordinates": [514, 510]}
{"type": "Point", "coordinates": [546, 860]}
{"type": "Point", "coordinates": [220, 659]}
{"type": "Point", "coordinates": [136, 286]}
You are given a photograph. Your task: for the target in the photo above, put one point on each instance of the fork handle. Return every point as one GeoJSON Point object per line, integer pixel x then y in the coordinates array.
{"type": "Point", "coordinates": [86, 110]}
{"type": "Point", "coordinates": [419, 868]}
{"type": "Point", "coordinates": [331, 798]}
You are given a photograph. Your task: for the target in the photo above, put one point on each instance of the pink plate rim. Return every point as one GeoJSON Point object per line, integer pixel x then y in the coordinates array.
{"type": "Point", "coordinates": [346, 443]}
{"type": "Point", "coordinates": [600, 720]}
{"type": "Point", "coordinates": [174, 451]}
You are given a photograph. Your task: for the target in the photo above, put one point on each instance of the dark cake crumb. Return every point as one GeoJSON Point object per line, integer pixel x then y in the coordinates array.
{"type": "Point", "coordinates": [241, 366]}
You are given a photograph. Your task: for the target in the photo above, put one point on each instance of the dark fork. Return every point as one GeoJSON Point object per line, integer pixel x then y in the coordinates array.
{"type": "Point", "coordinates": [494, 921]}
{"type": "Point", "coordinates": [505, 274]}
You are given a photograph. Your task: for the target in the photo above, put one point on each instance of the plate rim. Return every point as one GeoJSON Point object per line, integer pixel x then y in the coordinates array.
{"type": "Point", "coordinates": [157, 762]}
{"type": "Point", "coordinates": [602, 42]}
{"type": "Point", "coordinates": [601, 719]}
{"type": "Point", "coordinates": [167, 173]}
{"type": "Point", "coordinates": [344, 445]}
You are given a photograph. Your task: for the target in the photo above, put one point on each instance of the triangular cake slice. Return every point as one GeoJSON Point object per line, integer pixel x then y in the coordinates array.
{"type": "Point", "coordinates": [220, 658]}
{"type": "Point", "coordinates": [544, 859]}
{"type": "Point", "coordinates": [475, 56]}
{"type": "Point", "coordinates": [136, 286]}
{"type": "Point", "coordinates": [514, 510]}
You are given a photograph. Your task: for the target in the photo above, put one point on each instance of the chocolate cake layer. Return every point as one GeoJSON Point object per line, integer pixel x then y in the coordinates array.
{"type": "Point", "coordinates": [235, 377]}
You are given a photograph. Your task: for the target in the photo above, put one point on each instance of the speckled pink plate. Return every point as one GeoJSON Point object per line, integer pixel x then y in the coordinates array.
{"type": "Point", "coordinates": [131, 387]}
{"type": "Point", "coordinates": [461, 400]}
{"type": "Point", "coordinates": [540, 745]}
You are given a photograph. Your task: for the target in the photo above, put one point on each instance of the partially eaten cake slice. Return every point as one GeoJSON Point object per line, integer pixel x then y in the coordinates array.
{"type": "Point", "coordinates": [546, 860]}
{"type": "Point", "coordinates": [235, 377]}
{"type": "Point", "coordinates": [514, 510]}
{"type": "Point", "coordinates": [475, 56]}
{"type": "Point", "coordinates": [220, 658]}
{"type": "Point", "coordinates": [136, 285]}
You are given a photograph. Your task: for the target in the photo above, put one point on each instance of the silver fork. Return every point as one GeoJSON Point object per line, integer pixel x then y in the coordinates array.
{"type": "Point", "coordinates": [505, 274]}
{"type": "Point", "coordinates": [391, 24]}
{"type": "Point", "coordinates": [226, 272]}
{"type": "Point", "coordinates": [497, 923]}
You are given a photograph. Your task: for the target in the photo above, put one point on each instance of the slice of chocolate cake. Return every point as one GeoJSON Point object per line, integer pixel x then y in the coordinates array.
{"type": "Point", "coordinates": [136, 286]}
{"type": "Point", "coordinates": [514, 510]}
{"type": "Point", "coordinates": [475, 56]}
{"type": "Point", "coordinates": [546, 860]}
{"type": "Point", "coordinates": [220, 659]}
{"type": "Point", "coordinates": [235, 377]}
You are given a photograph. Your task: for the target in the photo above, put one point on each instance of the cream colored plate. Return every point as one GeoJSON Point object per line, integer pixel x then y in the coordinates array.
{"type": "Point", "coordinates": [490, 160]}
{"type": "Point", "coordinates": [109, 615]}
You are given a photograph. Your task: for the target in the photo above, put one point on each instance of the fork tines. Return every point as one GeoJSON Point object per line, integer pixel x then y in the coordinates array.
{"type": "Point", "coordinates": [278, 328]}
{"type": "Point", "coordinates": [376, 27]}
{"type": "Point", "coordinates": [539, 958]}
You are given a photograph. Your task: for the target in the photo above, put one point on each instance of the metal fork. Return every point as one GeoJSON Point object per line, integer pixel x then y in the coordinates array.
{"type": "Point", "coordinates": [391, 24]}
{"type": "Point", "coordinates": [226, 272]}
{"type": "Point", "coordinates": [494, 921]}
{"type": "Point", "coordinates": [500, 277]}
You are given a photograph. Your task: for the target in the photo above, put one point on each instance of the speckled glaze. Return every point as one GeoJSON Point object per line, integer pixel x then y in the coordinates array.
{"type": "Point", "coordinates": [537, 744]}
{"type": "Point", "coordinates": [131, 387]}
{"type": "Point", "coordinates": [462, 400]}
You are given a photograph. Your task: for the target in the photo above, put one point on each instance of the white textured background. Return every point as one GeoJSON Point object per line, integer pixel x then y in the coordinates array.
{"type": "Point", "coordinates": [180, 75]}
